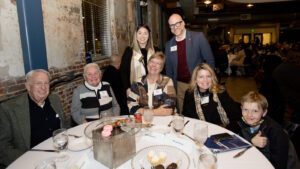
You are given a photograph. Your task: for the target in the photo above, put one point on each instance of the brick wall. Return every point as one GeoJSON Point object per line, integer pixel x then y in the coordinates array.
{"type": "Point", "coordinates": [15, 86]}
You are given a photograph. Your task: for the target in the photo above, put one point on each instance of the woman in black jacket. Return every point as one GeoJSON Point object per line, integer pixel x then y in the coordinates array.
{"type": "Point", "coordinates": [207, 100]}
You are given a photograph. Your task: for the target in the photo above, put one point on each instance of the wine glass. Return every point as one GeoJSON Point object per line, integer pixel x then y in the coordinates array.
{"type": "Point", "coordinates": [60, 141]}
{"type": "Point", "coordinates": [178, 123]}
{"type": "Point", "coordinates": [200, 133]}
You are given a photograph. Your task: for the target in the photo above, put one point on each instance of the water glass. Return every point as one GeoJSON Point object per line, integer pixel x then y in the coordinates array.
{"type": "Point", "coordinates": [147, 117]}
{"type": "Point", "coordinates": [47, 164]}
{"type": "Point", "coordinates": [106, 116]}
{"type": "Point", "coordinates": [178, 123]}
{"type": "Point", "coordinates": [207, 161]}
{"type": "Point", "coordinates": [200, 133]}
{"type": "Point", "coordinates": [60, 141]}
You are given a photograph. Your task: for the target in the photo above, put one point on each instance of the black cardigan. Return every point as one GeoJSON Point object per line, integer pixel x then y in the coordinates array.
{"type": "Point", "coordinates": [210, 111]}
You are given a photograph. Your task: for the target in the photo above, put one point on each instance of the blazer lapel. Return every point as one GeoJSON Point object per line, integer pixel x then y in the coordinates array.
{"type": "Point", "coordinates": [188, 46]}
{"type": "Point", "coordinates": [23, 118]}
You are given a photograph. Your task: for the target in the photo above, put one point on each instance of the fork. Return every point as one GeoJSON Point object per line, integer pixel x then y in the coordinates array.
{"type": "Point", "coordinates": [73, 135]}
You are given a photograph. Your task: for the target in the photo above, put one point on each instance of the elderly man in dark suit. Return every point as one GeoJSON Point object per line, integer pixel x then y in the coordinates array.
{"type": "Point", "coordinates": [30, 118]}
{"type": "Point", "coordinates": [184, 52]}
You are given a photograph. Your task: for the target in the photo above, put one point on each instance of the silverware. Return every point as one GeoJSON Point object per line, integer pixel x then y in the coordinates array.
{"type": "Point", "coordinates": [186, 123]}
{"type": "Point", "coordinates": [241, 152]}
{"type": "Point", "coordinates": [188, 136]}
{"type": "Point", "coordinates": [169, 125]}
{"type": "Point", "coordinates": [73, 135]}
{"type": "Point", "coordinates": [55, 151]}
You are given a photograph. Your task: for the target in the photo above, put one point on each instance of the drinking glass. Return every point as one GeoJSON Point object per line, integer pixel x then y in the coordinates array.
{"type": "Point", "coordinates": [148, 117]}
{"type": "Point", "coordinates": [60, 141]}
{"type": "Point", "coordinates": [207, 161]}
{"type": "Point", "coordinates": [47, 164]}
{"type": "Point", "coordinates": [200, 134]}
{"type": "Point", "coordinates": [106, 116]}
{"type": "Point", "coordinates": [178, 123]}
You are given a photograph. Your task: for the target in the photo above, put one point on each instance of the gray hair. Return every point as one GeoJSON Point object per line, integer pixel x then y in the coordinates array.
{"type": "Point", "coordinates": [95, 65]}
{"type": "Point", "coordinates": [31, 72]}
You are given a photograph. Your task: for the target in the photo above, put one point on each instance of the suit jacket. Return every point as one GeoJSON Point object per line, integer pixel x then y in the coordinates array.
{"type": "Point", "coordinates": [197, 51]}
{"type": "Point", "coordinates": [15, 126]}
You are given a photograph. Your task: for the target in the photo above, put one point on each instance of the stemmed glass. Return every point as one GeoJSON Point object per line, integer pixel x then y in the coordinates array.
{"type": "Point", "coordinates": [60, 141]}
{"type": "Point", "coordinates": [178, 123]}
{"type": "Point", "coordinates": [200, 134]}
{"type": "Point", "coordinates": [147, 118]}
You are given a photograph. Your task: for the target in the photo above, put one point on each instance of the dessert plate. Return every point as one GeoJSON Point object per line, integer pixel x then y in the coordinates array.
{"type": "Point", "coordinates": [173, 155]}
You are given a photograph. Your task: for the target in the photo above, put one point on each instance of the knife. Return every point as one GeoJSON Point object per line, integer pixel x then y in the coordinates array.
{"type": "Point", "coordinates": [55, 151]}
{"type": "Point", "coordinates": [241, 152]}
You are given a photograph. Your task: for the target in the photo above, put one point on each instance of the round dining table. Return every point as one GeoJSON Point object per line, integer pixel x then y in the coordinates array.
{"type": "Point", "coordinates": [84, 159]}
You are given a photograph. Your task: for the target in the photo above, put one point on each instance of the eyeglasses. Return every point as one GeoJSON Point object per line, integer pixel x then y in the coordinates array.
{"type": "Point", "coordinates": [175, 25]}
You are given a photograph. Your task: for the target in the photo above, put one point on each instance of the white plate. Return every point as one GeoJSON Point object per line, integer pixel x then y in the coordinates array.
{"type": "Point", "coordinates": [79, 144]}
{"type": "Point", "coordinates": [174, 155]}
{"type": "Point", "coordinates": [160, 129]}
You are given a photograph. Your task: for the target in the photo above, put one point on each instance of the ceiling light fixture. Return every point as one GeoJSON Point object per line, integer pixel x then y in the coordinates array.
{"type": "Point", "coordinates": [207, 2]}
{"type": "Point", "coordinates": [250, 5]}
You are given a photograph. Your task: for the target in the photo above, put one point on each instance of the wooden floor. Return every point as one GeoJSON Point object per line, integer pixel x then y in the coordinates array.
{"type": "Point", "coordinates": [237, 86]}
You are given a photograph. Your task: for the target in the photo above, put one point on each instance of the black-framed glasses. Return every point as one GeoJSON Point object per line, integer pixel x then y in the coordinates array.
{"type": "Point", "coordinates": [177, 24]}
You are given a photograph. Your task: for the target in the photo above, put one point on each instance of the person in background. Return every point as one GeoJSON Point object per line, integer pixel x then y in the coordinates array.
{"type": "Point", "coordinates": [286, 76]}
{"type": "Point", "coordinates": [29, 118]}
{"type": "Point", "coordinates": [154, 90]}
{"type": "Point", "coordinates": [135, 58]}
{"type": "Point", "coordinates": [264, 133]}
{"type": "Point", "coordinates": [112, 75]}
{"type": "Point", "coordinates": [187, 49]}
{"type": "Point", "coordinates": [93, 98]}
{"type": "Point", "coordinates": [207, 100]}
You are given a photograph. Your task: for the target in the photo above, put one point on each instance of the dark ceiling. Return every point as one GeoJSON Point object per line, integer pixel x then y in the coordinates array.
{"type": "Point", "coordinates": [196, 12]}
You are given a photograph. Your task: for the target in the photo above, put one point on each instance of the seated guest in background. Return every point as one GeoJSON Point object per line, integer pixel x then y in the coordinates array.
{"type": "Point", "coordinates": [207, 100]}
{"type": "Point", "coordinates": [30, 118]}
{"type": "Point", "coordinates": [112, 76]}
{"type": "Point", "coordinates": [263, 132]}
{"type": "Point", "coordinates": [93, 98]}
{"type": "Point", "coordinates": [154, 90]}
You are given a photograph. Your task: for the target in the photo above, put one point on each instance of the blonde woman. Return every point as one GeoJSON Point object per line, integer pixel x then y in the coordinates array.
{"type": "Point", "coordinates": [134, 60]}
{"type": "Point", "coordinates": [207, 100]}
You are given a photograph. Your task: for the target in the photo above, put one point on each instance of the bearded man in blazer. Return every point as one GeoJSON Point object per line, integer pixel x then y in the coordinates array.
{"type": "Point", "coordinates": [30, 118]}
{"type": "Point", "coordinates": [184, 52]}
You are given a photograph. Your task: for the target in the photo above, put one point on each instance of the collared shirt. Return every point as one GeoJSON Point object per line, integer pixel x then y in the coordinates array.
{"type": "Point", "coordinates": [43, 121]}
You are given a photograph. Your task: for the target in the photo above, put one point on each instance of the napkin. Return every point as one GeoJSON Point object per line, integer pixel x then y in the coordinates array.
{"type": "Point", "coordinates": [225, 142]}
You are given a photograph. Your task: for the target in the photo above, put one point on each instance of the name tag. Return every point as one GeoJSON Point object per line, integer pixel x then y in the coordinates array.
{"type": "Point", "coordinates": [173, 48]}
{"type": "Point", "coordinates": [57, 116]}
{"type": "Point", "coordinates": [157, 92]}
{"type": "Point", "coordinates": [205, 100]}
{"type": "Point", "coordinates": [103, 94]}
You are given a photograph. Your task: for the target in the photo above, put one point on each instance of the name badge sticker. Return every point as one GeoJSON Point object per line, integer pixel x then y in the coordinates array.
{"type": "Point", "coordinates": [205, 100]}
{"type": "Point", "coordinates": [157, 92]}
{"type": "Point", "coordinates": [173, 48]}
{"type": "Point", "coordinates": [103, 94]}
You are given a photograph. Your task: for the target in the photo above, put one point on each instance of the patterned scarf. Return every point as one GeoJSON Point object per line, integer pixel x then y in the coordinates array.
{"type": "Point", "coordinates": [221, 111]}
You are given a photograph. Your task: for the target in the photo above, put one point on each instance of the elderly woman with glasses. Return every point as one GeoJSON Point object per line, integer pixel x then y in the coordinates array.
{"type": "Point", "coordinates": [154, 90]}
{"type": "Point", "coordinates": [207, 100]}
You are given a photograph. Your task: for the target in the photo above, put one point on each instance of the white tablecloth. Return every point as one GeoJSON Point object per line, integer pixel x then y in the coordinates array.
{"type": "Point", "coordinates": [251, 159]}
